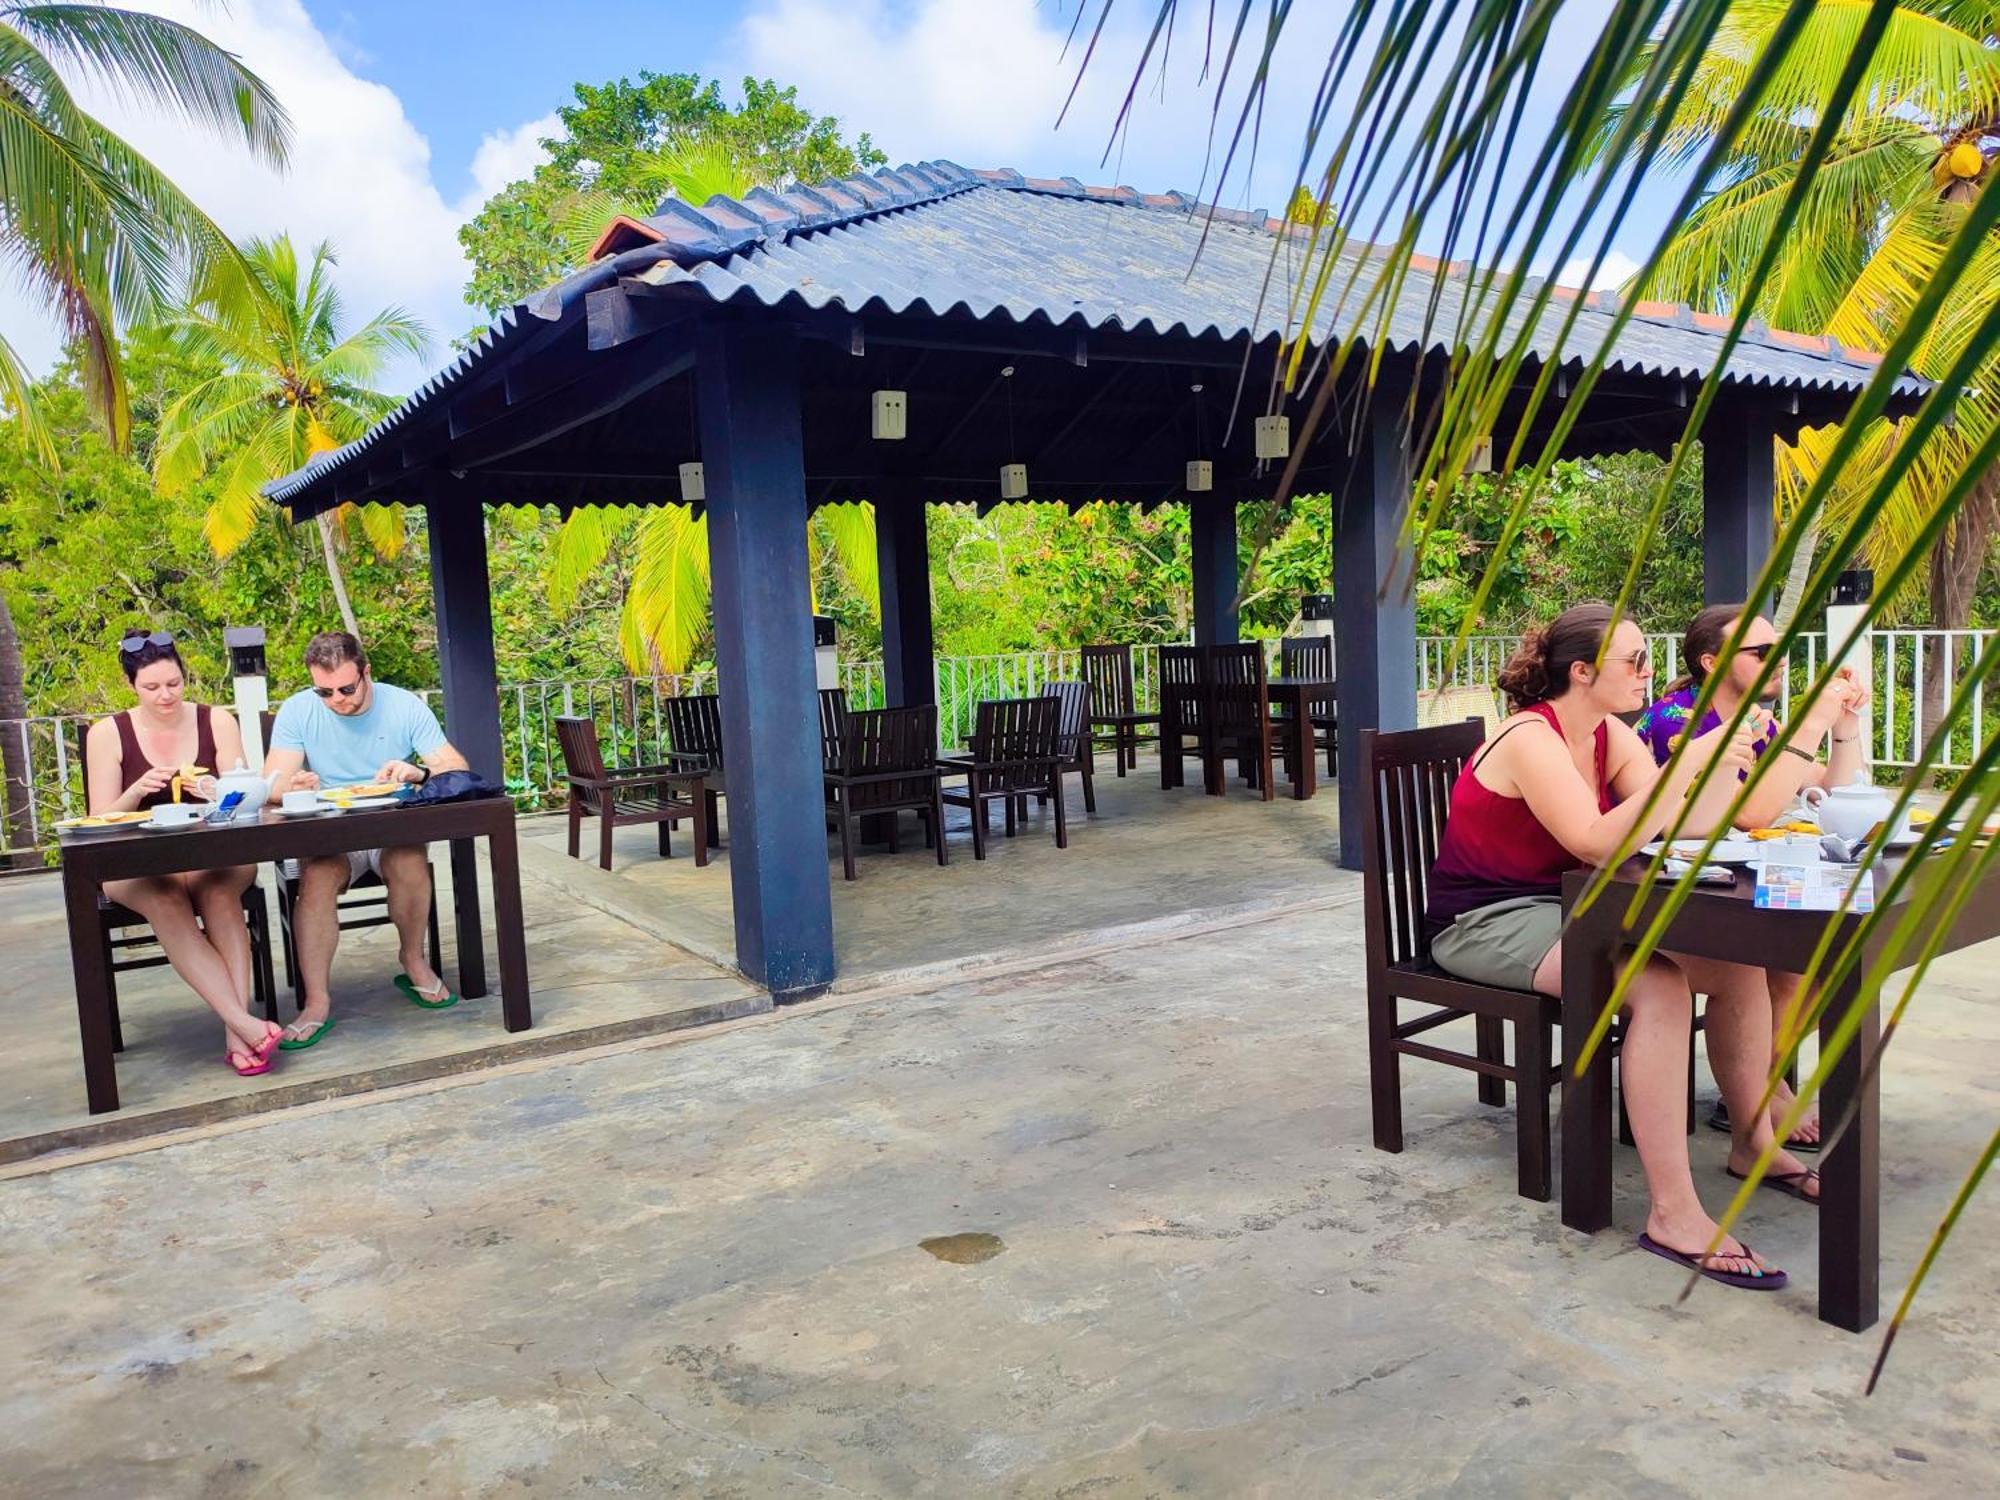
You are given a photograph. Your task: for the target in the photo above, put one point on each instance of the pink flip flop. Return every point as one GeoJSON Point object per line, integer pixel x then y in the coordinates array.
{"type": "Point", "coordinates": [237, 1059]}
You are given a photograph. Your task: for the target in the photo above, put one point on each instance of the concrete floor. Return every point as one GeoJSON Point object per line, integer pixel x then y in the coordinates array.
{"type": "Point", "coordinates": [694, 1267]}
{"type": "Point", "coordinates": [652, 945]}
{"type": "Point", "coordinates": [1146, 856]}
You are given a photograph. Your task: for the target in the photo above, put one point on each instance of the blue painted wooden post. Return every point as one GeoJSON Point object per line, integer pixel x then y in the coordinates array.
{"type": "Point", "coordinates": [1375, 639]}
{"type": "Point", "coordinates": [754, 463]}
{"type": "Point", "coordinates": [1212, 544]}
{"type": "Point", "coordinates": [1737, 485]}
{"type": "Point", "coordinates": [902, 563]}
{"type": "Point", "coordinates": [462, 598]}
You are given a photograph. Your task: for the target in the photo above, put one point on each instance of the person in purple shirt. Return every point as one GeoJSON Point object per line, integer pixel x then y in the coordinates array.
{"type": "Point", "coordinates": [1834, 716]}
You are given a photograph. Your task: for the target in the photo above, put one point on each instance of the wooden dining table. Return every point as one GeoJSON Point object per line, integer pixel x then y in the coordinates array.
{"type": "Point", "coordinates": [91, 859]}
{"type": "Point", "coordinates": [1723, 922]}
{"type": "Point", "coordinates": [1298, 694]}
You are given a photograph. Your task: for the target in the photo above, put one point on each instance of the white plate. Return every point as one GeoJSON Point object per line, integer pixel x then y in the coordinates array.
{"type": "Point", "coordinates": [318, 810]}
{"type": "Point", "coordinates": [1726, 851]}
{"type": "Point", "coordinates": [334, 799]}
{"type": "Point", "coordinates": [151, 827]}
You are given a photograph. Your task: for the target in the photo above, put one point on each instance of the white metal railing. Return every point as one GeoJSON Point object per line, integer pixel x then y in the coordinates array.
{"type": "Point", "coordinates": [632, 721]}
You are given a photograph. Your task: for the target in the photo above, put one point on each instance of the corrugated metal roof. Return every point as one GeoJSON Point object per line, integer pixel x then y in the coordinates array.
{"type": "Point", "coordinates": [937, 239]}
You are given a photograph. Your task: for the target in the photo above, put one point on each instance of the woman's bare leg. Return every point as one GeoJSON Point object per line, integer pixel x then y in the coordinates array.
{"type": "Point", "coordinates": [166, 905]}
{"type": "Point", "coordinates": [218, 896]}
{"type": "Point", "coordinates": [1653, 1074]}
{"type": "Point", "coordinates": [1739, 1054]}
{"type": "Point", "coordinates": [1787, 992]}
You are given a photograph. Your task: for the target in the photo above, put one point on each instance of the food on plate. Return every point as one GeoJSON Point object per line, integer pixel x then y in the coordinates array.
{"type": "Point", "coordinates": [367, 789]}
{"type": "Point", "coordinates": [104, 820]}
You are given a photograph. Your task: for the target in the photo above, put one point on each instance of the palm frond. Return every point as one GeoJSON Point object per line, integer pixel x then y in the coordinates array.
{"type": "Point", "coordinates": [668, 597]}
{"type": "Point", "coordinates": [583, 541]}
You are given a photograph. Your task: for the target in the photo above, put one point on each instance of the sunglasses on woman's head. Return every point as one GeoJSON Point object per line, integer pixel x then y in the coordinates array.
{"type": "Point", "coordinates": [346, 689]}
{"type": "Point", "coordinates": [132, 645]}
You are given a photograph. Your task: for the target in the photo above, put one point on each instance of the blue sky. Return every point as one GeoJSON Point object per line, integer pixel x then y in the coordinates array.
{"type": "Point", "coordinates": [410, 112]}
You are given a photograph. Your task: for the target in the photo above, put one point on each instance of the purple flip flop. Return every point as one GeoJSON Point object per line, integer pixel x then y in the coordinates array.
{"type": "Point", "coordinates": [1770, 1281]}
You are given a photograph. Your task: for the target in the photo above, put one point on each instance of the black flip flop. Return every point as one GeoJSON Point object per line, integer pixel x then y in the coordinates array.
{"type": "Point", "coordinates": [1791, 1184]}
{"type": "Point", "coordinates": [1718, 1119]}
{"type": "Point", "coordinates": [1750, 1281]}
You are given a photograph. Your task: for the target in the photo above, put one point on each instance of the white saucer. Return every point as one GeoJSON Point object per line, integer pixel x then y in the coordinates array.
{"type": "Point", "coordinates": [318, 810]}
{"type": "Point", "coordinates": [1726, 851]}
{"type": "Point", "coordinates": [151, 827]}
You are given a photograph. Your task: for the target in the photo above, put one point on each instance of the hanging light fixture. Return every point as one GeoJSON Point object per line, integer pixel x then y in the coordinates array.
{"type": "Point", "coordinates": [891, 416]}
{"type": "Point", "coordinates": [693, 487]}
{"type": "Point", "coordinates": [1013, 476]}
{"type": "Point", "coordinates": [1200, 471]}
{"type": "Point", "coordinates": [1274, 436]}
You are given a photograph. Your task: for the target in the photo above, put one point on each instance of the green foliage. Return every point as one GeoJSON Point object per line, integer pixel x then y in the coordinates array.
{"type": "Point", "coordinates": [613, 141]}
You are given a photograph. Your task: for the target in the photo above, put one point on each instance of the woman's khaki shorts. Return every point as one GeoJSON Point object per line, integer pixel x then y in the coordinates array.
{"type": "Point", "coordinates": [1501, 944]}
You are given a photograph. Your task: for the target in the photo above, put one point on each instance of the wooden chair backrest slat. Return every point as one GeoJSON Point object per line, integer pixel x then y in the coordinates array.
{"type": "Point", "coordinates": [1236, 676]}
{"type": "Point", "coordinates": [1410, 775]}
{"type": "Point", "coordinates": [876, 741]}
{"type": "Point", "coordinates": [694, 725]}
{"type": "Point", "coordinates": [1183, 687]}
{"type": "Point", "coordinates": [1306, 656]}
{"type": "Point", "coordinates": [1014, 739]}
{"type": "Point", "coordinates": [581, 753]}
{"type": "Point", "coordinates": [833, 715]}
{"type": "Point", "coordinates": [1108, 671]}
{"type": "Point", "coordinates": [1072, 718]}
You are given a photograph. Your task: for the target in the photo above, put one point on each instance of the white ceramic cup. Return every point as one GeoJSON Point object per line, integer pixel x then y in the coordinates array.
{"type": "Point", "coordinates": [176, 814]}
{"type": "Point", "coordinates": [300, 801]}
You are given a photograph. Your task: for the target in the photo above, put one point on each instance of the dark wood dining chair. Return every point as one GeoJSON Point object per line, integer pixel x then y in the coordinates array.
{"type": "Point", "coordinates": [1240, 723]}
{"type": "Point", "coordinates": [1409, 780]}
{"type": "Point", "coordinates": [129, 943]}
{"type": "Point", "coordinates": [365, 903]}
{"type": "Point", "coordinates": [1184, 712]}
{"type": "Point", "coordinates": [888, 761]}
{"type": "Point", "coordinates": [1075, 744]}
{"type": "Point", "coordinates": [1312, 656]}
{"type": "Point", "coordinates": [694, 741]}
{"type": "Point", "coordinates": [1015, 753]}
{"type": "Point", "coordinates": [1114, 715]}
{"type": "Point", "coordinates": [626, 797]}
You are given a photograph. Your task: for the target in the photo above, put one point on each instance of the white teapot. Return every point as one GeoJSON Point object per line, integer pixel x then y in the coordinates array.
{"type": "Point", "coordinates": [240, 778]}
{"type": "Point", "coordinates": [1850, 811]}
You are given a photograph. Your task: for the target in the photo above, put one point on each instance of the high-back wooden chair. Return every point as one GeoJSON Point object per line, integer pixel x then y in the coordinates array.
{"type": "Point", "coordinates": [1184, 693]}
{"type": "Point", "coordinates": [887, 762]}
{"type": "Point", "coordinates": [129, 944]}
{"type": "Point", "coordinates": [1114, 715]}
{"type": "Point", "coordinates": [625, 797]}
{"type": "Point", "coordinates": [1409, 780]}
{"type": "Point", "coordinates": [1312, 656]}
{"type": "Point", "coordinates": [1014, 753]}
{"type": "Point", "coordinates": [1075, 743]}
{"type": "Point", "coordinates": [1240, 722]}
{"type": "Point", "coordinates": [365, 902]}
{"type": "Point", "coordinates": [694, 739]}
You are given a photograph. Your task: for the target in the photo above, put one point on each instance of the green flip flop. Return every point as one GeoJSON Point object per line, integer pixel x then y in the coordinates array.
{"type": "Point", "coordinates": [300, 1043]}
{"type": "Point", "coordinates": [410, 992]}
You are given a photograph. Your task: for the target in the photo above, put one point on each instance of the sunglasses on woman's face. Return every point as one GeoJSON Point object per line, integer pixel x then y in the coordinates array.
{"type": "Point", "coordinates": [1640, 661]}
{"type": "Point", "coordinates": [132, 645]}
{"type": "Point", "coordinates": [346, 689]}
{"type": "Point", "coordinates": [1762, 652]}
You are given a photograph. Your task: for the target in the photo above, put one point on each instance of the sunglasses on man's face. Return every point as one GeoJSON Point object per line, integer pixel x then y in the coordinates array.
{"type": "Point", "coordinates": [132, 645]}
{"type": "Point", "coordinates": [346, 689]}
{"type": "Point", "coordinates": [1760, 652]}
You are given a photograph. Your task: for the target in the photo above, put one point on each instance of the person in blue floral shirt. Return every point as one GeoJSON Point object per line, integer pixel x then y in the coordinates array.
{"type": "Point", "coordinates": [1834, 716]}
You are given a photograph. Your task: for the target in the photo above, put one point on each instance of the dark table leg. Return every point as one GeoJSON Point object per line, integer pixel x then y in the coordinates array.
{"type": "Point", "coordinates": [93, 988]}
{"type": "Point", "coordinates": [465, 911]}
{"type": "Point", "coordinates": [1302, 749]}
{"type": "Point", "coordinates": [1850, 1230]}
{"type": "Point", "coordinates": [511, 935]}
{"type": "Point", "coordinates": [1589, 950]}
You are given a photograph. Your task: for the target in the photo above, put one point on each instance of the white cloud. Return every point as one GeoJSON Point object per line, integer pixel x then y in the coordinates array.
{"type": "Point", "coordinates": [1618, 268]}
{"type": "Point", "coordinates": [360, 176]}
{"type": "Point", "coordinates": [505, 155]}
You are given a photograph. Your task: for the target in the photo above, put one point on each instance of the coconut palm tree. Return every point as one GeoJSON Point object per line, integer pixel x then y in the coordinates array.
{"type": "Point", "coordinates": [1908, 157]}
{"type": "Point", "coordinates": [91, 227]}
{"type": "Point", "coordinates": [290, 383]}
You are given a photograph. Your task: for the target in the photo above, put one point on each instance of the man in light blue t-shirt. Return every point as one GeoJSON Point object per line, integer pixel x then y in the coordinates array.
{"type": "Point", "coordinates": [347, 729]}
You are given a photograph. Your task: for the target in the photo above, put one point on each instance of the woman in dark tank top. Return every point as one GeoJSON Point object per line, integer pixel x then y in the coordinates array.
{"type": "Point", "coordinates": [130, 762]}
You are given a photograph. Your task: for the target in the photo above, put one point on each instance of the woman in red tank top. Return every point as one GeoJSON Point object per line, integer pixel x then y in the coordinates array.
{"type": "Point", "coordinates": [1562, 784]}
{"type": "Point", "coordinates": [130, 761]}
